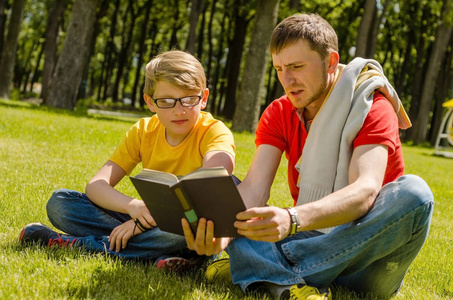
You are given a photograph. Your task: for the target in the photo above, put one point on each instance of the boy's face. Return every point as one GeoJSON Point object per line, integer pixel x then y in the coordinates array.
{"type": "Point", "coordinates": [178, 120]}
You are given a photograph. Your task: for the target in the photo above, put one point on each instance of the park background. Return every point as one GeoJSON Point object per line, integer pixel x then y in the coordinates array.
{"type": "Point", "coordinates": [69, 53]}
{"type": "Point", "coordinates": [60, 59]}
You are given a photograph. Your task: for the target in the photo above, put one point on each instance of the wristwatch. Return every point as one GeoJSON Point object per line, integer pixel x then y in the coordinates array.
{"type": "Point", "coordinates": [295, 224]}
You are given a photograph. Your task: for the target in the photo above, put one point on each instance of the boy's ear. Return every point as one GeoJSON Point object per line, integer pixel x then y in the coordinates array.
{"type": "Point", "coordinates": [204, 100]}
{"type": "Point", "coordinates": [149, 103]}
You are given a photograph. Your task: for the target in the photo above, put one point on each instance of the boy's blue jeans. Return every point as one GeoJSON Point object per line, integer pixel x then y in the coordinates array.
{"type": "Point", "coordinates": [371, 254]}
{"type": "Point", "coordinates": [73, 213]}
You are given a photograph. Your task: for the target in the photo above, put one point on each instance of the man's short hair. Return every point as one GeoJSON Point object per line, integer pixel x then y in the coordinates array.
{"type": "Point", "coordinates": [178, 68]}
{"type": "Point", "coordinates": [312, 28]}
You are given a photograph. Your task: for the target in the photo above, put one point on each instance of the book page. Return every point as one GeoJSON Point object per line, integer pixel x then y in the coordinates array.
{"type": "Point", "coordinates": [207, 173]}
{"type": "Point", "coordinates": [157, 176]}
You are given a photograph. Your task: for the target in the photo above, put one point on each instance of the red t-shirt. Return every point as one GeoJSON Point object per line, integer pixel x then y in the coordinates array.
{"type": "Point", "coordinates": [280, 126]}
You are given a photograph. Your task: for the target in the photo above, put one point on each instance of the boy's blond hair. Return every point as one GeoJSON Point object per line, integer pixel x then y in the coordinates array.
{"type": "Point", "coordinates": [312, 28]}
{"type": "Point", "coordinates": [178, 68]}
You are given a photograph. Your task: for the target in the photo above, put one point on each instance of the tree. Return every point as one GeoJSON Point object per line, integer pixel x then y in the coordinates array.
{"type": "Point", "coordinates": [3, 6]}
{"type": "Point", "coordinates": [127, 34]}
{"type": "Point", "coordinates": [235, 49]}
{"type": "Point", "coordinates": [8, 55]}
{"type": "Point", "coordinates": [247, 110]}
{"type": "Point", "coordinates": [140, 53]}
{"type": "Point", "coordinates": [54, 22]}
{"type": "Point", "coordinates": [195, 10]}
{"type": "Point", "coordinates": [364, 32]}
{"type": "Point", "coordinates": [443, 34]}
{"type": "Point", "coordinates": [74, 56]}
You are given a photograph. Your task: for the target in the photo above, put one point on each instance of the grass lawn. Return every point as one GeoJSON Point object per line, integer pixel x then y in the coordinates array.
{"type": "Point", "coordinates": [42, 150]}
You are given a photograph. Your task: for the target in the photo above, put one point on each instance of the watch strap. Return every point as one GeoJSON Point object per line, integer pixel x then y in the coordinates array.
{"type": "Point", "coordinates": [295, 223]}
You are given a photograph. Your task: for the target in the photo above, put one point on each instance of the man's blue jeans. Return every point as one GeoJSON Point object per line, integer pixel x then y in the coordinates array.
{"type": "Point", "coordinates": [371, 254]}
{"type": "Point", "coordinates": [73, 213]}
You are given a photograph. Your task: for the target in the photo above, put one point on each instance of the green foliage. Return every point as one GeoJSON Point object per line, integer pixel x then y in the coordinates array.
{"type": "Point", "coordinates": [43, 149]}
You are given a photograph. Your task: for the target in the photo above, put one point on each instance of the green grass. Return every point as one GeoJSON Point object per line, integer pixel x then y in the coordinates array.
{"type": "Point", "coordinates": [43, 149]}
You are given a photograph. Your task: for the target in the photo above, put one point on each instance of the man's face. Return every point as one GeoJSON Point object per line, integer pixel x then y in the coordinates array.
{"type": "Point", "coordinates": [302, 73]}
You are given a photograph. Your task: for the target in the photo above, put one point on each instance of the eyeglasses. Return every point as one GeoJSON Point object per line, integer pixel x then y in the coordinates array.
{"type": "Point", "coordinates": [171, 102]}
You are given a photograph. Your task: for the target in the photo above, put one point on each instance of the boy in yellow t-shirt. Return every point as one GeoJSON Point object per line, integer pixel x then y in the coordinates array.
{"type": "Point", "coordinates": [179, 139]}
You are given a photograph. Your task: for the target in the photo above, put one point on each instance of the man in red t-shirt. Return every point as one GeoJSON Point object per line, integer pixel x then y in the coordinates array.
{"type": "Point", "coordinates": [358, 222]}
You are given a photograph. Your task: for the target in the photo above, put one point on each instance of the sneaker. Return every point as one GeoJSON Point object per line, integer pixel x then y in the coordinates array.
{"type": "Point", "coordinates": [302, 291]}
{"type": "Point", "coordinates": [219, 270]}
{"type": "Point", "coordinates": [175, 264]}
{"type": "Point", "coordinates": [43, 235]}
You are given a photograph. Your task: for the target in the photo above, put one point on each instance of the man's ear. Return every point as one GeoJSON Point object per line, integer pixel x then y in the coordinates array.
{"type": "Point", "coordinates": [149, 103]}
{"type": "Point", "coordinates": [334, 59]}
{"type": "Point", "coordinates": [204, 100]}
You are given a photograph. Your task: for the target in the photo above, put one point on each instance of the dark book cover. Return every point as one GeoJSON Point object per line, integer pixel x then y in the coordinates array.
{"type": "Point", "coordinates": [210, 194]}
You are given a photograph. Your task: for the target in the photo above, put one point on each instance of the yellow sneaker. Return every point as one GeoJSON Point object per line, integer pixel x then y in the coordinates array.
{"type": "Point", "coordinates": [302, 291]}
{"type": "Point", "coordinates": [219, 270]}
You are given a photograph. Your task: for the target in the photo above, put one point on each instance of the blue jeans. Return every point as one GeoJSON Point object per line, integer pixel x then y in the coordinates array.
{"type": "Point", "coordinates": [75, 214]}
{"type": "Point", "coordinates": [369, 255]}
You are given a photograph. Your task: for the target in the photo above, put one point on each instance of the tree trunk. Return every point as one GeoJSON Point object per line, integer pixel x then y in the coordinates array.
{"type": "Point", "coordinates": [214, 94]}
{"type": "Point", "coordinates": [177, 24]}
{"type": "Point", "coordinates": [364, 28]}
{"type": "Point", "coordinates": [234, 59]}
{"type": "Point", "coordinates": [195, 10]}
{"type": "Point", "coordinates": [51, 44]}
{"type": "Point", "coordinates": [248, 107]}
{"type": "Point", "coordinates": [200, 42]}
{"type": "Point", "coordinates": [74, 56]}
{"type": "Point", "coordinates": [8, 55]}
{"type": "Point", "coordinates": [140, 54]}
{"type": "Point", "coordinates": [437, 54]}
{"type": "Point", "coordinates": [374, 30]}
{"type": "Point", "coordinates": [110, 49]}
{"type": "Point", "coordinates": [35, 72]}
{"type": "Point", "coordinates": [443, 87]}
{"type": "Point", "coordinates": [419, 72]}
{"type": "Point", "coordinates": [3, 6]}
{"type": "Point", "coordinates": [87, 90]}
{"type": "Point", "coordinates": [125, 46]}
{"type": "Point", "coordinates": [210, 40]}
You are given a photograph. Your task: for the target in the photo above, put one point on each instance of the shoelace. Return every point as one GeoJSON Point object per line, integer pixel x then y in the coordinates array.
{"type": "Point", "coordinates": [61, 242]}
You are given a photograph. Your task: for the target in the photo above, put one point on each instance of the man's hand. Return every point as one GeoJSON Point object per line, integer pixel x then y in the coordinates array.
{"type": "Point", "coordinates": [204, 243]}
{"type": "Point", "coordinates": [268, 224]}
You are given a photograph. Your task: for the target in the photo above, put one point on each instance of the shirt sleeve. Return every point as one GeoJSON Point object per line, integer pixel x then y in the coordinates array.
{"type": "Point", "coordinates": [380, 125]}
{"type": "Point", "coordinates": [217, 138]}
{"type": "Point", "coordinates": [270, 130]}
{"type": "Point", "coordinates": [127, 154]}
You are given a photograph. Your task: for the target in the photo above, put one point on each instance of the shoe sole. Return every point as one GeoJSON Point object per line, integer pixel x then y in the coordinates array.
{"type": "Point", "coordinates": [21, 236]}
{"type": "Point", "coordinates": [219, 269]}
{"type": "Point", "coordinates": [174, 264]}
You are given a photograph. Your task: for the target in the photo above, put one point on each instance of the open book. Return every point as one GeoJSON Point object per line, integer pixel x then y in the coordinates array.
{"type": "Point", "coordinates": [205, 193]}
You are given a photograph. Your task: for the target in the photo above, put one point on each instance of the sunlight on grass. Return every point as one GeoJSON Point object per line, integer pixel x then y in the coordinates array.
{"type": "Point", "coordinates": [42, 150]}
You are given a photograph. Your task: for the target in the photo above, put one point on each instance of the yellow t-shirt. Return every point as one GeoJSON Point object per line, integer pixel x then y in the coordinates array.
{"type": "Point", "coordinates": [145, 142]}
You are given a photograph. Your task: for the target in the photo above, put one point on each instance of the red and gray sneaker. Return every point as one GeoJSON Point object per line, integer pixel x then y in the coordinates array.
{"type": "Point", "coordinates": [176, 264]}
{"type": "Point", "coordinates": [43, 235]}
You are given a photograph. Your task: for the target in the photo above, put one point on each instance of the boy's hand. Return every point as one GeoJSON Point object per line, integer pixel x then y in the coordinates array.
{"type": "Point", "coordinates": [137, 210]}
{"type": "Point", "coordinates": [205, 243]}
{"type": "Point", "coordinates": [121, 234]}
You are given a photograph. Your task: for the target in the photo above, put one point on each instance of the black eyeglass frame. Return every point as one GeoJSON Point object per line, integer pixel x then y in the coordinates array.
{"type": "Point", "coordinates": [176, 100]}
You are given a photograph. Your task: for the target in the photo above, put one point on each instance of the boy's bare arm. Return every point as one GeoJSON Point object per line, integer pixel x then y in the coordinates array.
{"type": "Point", "coordinates": [100, 189]}
{"type": "Point", "coordinates": [219, 159]}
